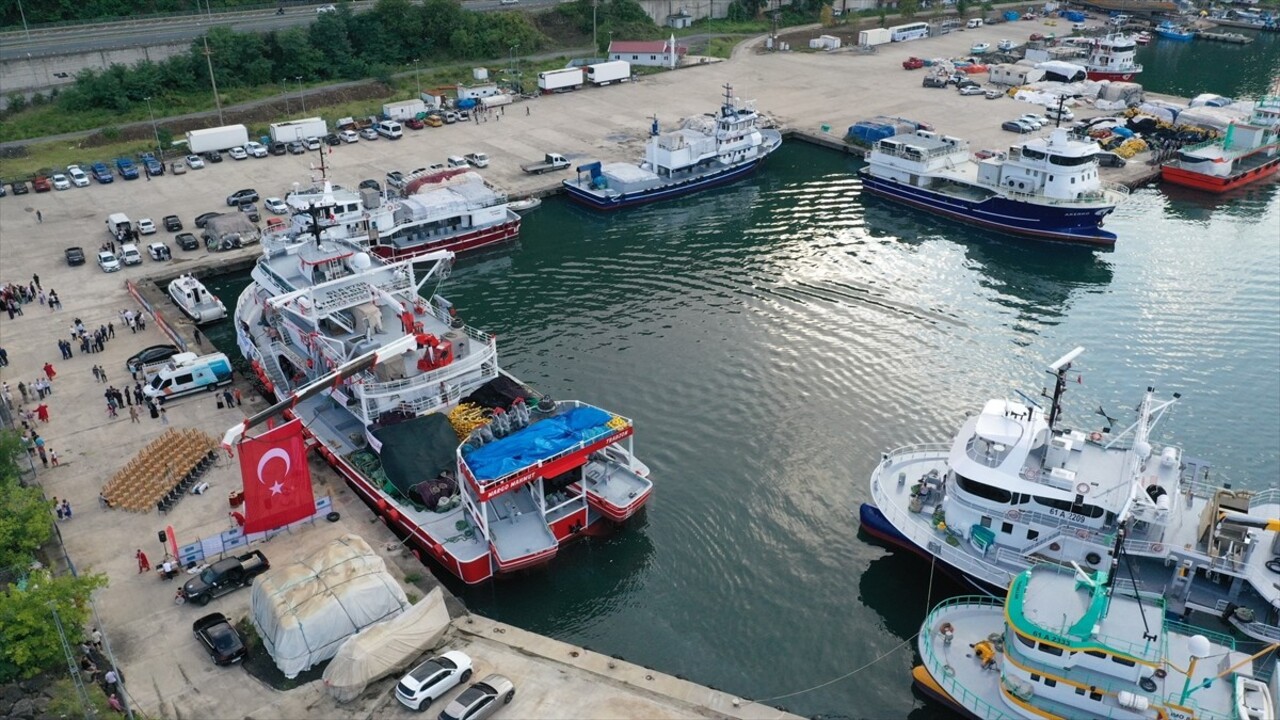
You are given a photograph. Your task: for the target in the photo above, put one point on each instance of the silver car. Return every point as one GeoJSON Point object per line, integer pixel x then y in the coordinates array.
{"type": "Point", "coordinates": [481, 700]}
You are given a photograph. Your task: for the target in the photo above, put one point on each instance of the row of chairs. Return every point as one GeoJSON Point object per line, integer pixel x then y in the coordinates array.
{"type": "Point", "coordinates": [188, 481]}
{"type": "Point", "coordinates": [153, 477]}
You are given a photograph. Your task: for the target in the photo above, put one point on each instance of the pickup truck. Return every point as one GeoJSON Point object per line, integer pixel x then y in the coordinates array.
{"type": "Point", "coordinates": [551, 161]}
{"type": "Point", "coordinates": [224, 576]}
{"type": "Point", "coordinates": [477, 159]}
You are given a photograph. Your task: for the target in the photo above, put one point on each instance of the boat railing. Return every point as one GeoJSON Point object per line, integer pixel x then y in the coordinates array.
{"type": "Point", "coordinates": [917, 154]}
{"type": "Point", "coordinates": [936, 544]}
{"type": "Point", "coordinates": [910, 452]}
{"type": "Point", "coordinates": [942, 673]}
{"type": "Point", "coordinates": [377, 389]}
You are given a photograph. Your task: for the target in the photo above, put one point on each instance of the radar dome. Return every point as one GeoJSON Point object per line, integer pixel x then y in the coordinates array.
{"type": "Point", "coordinates": [361, 261]}
{"type": "Point", "coordinates": [1198, 646]}
{"type": "Point", "coordinates": [1143, 449]}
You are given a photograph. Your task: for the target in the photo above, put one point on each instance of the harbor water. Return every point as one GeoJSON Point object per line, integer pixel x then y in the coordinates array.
{"type": "Point", "coordinates": [772, 338]}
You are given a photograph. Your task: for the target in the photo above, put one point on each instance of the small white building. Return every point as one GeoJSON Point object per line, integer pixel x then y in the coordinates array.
{"type": "Point", "coordinates": [825, 42]}
{"type": "Point", "coordinates": [679, 19]}
{"type": "Point", "coordinates": [654, 53]}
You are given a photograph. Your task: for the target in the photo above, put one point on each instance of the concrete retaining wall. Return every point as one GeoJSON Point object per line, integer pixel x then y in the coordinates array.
{"type": "Point", "coordinates": [40, 74]}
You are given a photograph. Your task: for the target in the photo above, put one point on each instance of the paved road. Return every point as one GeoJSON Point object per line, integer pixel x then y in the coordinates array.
{"type": "Point", "coordinates": [109, 36]}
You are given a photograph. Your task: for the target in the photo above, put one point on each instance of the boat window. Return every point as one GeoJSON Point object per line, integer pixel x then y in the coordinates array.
{"type": "Point", "coordinates": [1032, 154]}
{"type": "Point", "coordinates": [1095, 695]}
{"type": "Point", "coordinates": [1096, 653]}
{"type": "Point", "coordinates": [1025, 640]}
{"type": "Point", "coordinates": [983, 490]}
{"type": "Point", "coordinates": [1050, 649]}
{"type": "Point", "coordinates": [1081, 691]}
{"type": "Point", "coordinates": [1033, 534]}
{"type": "Point", "coordinates": [1035, 677]}
{"type": "Point", "coordinates": [1070, 161]}
{"type": "Point", "coordinates": [1006, 528]}
{"type": "Point", "coordinates": [1122, 661]}
{"type": "Point", "coordinates": [1050, 682]}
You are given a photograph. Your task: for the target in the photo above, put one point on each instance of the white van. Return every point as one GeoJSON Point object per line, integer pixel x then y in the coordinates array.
{"type": "Point", "coordinates": [117, 225]}
{"type": "Point", "coordinates": [129, 254]}
{"type": "Point", "coordinates": [974, 23]}
{"type": "Point", "coordinates": [188, 373]}
{"type": "Point", "coordinates": [389, 129]}
{"type": "Point", "coordinates": [453, 161]}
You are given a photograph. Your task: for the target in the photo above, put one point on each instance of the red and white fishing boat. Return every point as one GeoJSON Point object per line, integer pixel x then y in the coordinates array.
{"type": "Point", "coordinates": [475, 469]}
{"type": "Point", "coordinates": [454, 209]}
{"type": "Point", "coordinates": [1142, 38]}
{"type": "Point", "coordinates": [1246, 153]}
{"type": "Point", "coordinates": [1111, 58]}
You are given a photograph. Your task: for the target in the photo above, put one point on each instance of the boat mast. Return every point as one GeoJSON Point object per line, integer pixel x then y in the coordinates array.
{"type": "Point", "coordinates": [1060, 368]}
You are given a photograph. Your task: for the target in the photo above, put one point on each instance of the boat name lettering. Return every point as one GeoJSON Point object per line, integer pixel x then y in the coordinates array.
{"type": "Point", "coordinates": [548, 469]}
{"type": "Point", "coordinates": [1073, 517]}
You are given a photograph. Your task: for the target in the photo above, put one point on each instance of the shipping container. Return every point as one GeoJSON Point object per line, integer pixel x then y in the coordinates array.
{"type": "Point", "coordinates": [875, 36]}
{"type": "Point", "coordinates": [404, 110]}
{"type": "Point", "coordinates": [609, 72]}
{"type": "Point", "coordinates": [217, 138]}
{"type": "Point", "coordinates": [560, 80]}
{"type": "Point", "coordinates": [292, 130]}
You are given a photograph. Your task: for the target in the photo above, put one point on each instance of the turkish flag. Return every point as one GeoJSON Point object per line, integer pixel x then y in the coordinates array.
{"type": "Point", "coordinates": [277, 481]}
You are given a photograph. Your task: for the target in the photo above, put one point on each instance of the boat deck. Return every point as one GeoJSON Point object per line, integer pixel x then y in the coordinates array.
{"type": "Point", "coordinates": [517, 527]}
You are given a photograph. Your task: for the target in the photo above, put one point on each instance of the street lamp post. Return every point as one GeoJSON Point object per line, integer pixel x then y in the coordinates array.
{"type": "Point", "coordinates": [417, 77]}
{"type": "Point", "coordinates": [302, 98]}
{"type": "Point", "coordinates": [284, 85]}
{"type": "Point", "coordinates": [512, 54]}
{"type": "Point", "coordinates": [154, 129]}
{"type": "Point", "coordinates": [595, 44]}
{"type": "Point", "coordinates": [25, 29]}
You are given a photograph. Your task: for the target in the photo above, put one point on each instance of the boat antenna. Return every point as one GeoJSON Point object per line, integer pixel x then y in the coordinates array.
{"type": "Point", "coordinates": [727, 109]}
{"type": "Point", "coordinates": [1028, 398]}
{"type": "Point", "coordinates": [1059, 369]}
{"type": "Point", "coordinates": [1128, 566]}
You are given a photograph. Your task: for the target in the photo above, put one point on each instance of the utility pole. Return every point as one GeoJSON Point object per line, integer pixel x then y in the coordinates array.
{"type": "Point", "coordinates": [154, 129]}
{"type": "Point", "coordinates": [208, 57]}
{"type": "Point", "coordinates": [301, 97]}
{"type": "Point", "coordinates": [25, 29]}
{"type": "Point", "coordinates": [595, 44]}
{"type": "Point", "coordinates": [284, 85]}
{"type": "Point", "coordinates": [417, 77]}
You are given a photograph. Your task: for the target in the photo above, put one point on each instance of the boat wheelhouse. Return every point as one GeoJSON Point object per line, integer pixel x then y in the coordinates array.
{"type": "Point", "coordinates": [195, 301]}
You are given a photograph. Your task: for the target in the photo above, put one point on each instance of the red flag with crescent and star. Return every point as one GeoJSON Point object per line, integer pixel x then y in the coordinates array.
{"type": "Point", "coordinates": [277, 481]}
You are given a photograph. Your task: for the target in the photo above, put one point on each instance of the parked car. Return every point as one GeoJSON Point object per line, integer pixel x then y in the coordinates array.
{"type": "Point", "coordinates": [433, 167]}
{"type": "Point", "coordinates": [187, 241]}
{"type": "Point", "coordinates": [78, 176]}
{"type": "Point", "coordinates": [395, 179]}
{"type": "Point", "coordinates": [178, 167]}
{"type": "Point", "coordinates": [250, 210]}
{"type": "Point", "coordinates": [224, 576]}
{"type": "Point", "coordinates": [101, 173]}
{"type": "Point", "coordinates": [20, 187]}
{"type": "Point", "coordinates": [297, 148]}
{"type": "Point", "coordinates": [325, 9]}
{"type": "Point", "coordinates": [213, 156]}
{"type": "Point", "coordinates": [275, 206]}
{"type": "Point", "coordinates": [478, 159]}
{"type": "Point", "coordinates": [481, 700]}
{"type": "Point", "coordinates": [238, 153]}
{"type": "Point", "coordinates": [349, 136]}
{"type": "Point", "coordinates": [255, 149]}
{"type": "Point", "coordinates": [75, 255]}
{"type": "Point", "coordinates": [414, 124]}
{"type": "Point", "coordinates": [332, 139]}
{"type": "Point", "coordinates": [1017, 126]}
{"type": "Point", "coordinates": [146, 226]}
{"type": "Point", "coordinates": [172, 223]}
{"type": "Point", "coordinates": [107, 261]}
{"type": "Point", "coordinates": [129, 254]}
{"type": "Point", "coordinates": [1064, 114]}
{"type": "Point", "coordinates": [1035, 121]}
{"type": "Point", "coordinates": [369, 134]}
{"type": "Point", "coordinates": [154, 167]}
{"type": "Point", "coordinates": [60, 182]}
{"type": "Point", "coordinates": [464, 115]}
{"type": "Point", "coordinates": [202, 219]}
{"type": "Point", "coordinates": [434, 120]}
{"type": "Point", "coordinates": [312, 143]}
{"type": "Point", "coordinates": [277, 148]}
{"type": "Point", "coordinates": [456, 161]}
{"type": "Point", "coordinates": [912, 63]}
{"type": "Point", "coordinates": [934, 81]}
{"type": "Point", "coordinates": [1110, 159]}
{"type": "Point", "coordinates": [970, 90]}
{"type": "Point", "coordinates": [126, 168]}
{"type": "Point", "coordinates": [195, 162]}
{"type": "Point", "coordinates": [432, 679]}
{"type": "Point", "coordinates": [240, 197]}
{"type": "Point", "coordinates": [150, 356]}
{"type": "Point", "coordinates": [370, 185]}
{"type": "Point", "coordinates": [3, 191]}
{"type": "Point", "coordinates": [159, 251]}
{"type": "Point", "coordinates": [220, 639]}
{"type": "Point", "coordinates": [993, 94]}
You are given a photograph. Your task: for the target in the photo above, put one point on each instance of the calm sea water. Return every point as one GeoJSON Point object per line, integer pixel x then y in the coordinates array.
{"type": "Point", "coordinates": [772, 338]}
{"type": "Point", "coordinates": [1188, 69]}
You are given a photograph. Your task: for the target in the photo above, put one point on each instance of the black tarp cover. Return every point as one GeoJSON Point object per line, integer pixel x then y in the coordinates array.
{"type": "Point", "coordinates": [417, 450]}
{"type": "Point", "coordinates": [499, 392]}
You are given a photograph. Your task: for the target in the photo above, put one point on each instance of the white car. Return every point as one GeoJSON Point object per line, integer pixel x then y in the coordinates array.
{"type": "Point", "coordinates": [349, 136]}
{"type": "Point", "coordinates": [78, 176]}
{"type": "Point", "coordinates": [1004, 45]}
{"type": "Point", "coordinates": [1035, 121]}
{"type": "Point", "coordinates": [60, 182]}
{"type": "Point", "coordinates": [108, 262]}
{"type": "Point", "coordinates": [237, 153]}
{"type": "Point", "coordinates": [432, 679]}
{"type": "Point", "coordinates": [971, 90]}
{"type": "Point", "coordinates": [479, 160]}
{"type": "Point", "coordinates": [255, 149]}
{"type": "Point", "coordinates": [275, 206]}
{"type": "Point", "coordinates": [146, 227]}
{"type": "Point", "coordinates": [129, 254]}
{"type": "Point", "coordinates": [1054, 114]}
{"type": "Point", "coordinates": [312, 143]}
{"type": "Point", "coordinates": [369, 134]}
{"type": "Point", "coordinates": [326, 9]}
{"type": "Point", "coordinates": [195, 162]}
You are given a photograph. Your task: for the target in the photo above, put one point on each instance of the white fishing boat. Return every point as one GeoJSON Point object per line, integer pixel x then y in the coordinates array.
{"type": "Point", "coordinates": [1017, 487]}
{"type": "Point", "coordinates": [526, 205]}
{"type": "Point", "coordinates": [195, 301]}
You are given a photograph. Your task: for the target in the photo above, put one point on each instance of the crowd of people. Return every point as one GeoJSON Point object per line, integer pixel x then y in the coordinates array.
{"type": "Point", "coordinates": [14, 296]}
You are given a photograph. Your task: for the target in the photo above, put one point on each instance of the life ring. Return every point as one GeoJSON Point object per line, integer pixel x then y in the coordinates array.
{"type": "Point", "coordinates": [1095, 436]}
{"type": "Point", "coordinates": [1157, 548]}
{"type": "Point", "coordinates": [1082, 534]}
{"type": "Point", "coordinates": [946, 628]}
{"type": "Point", "coordinates": [1082, 488]}
{"type": "Point", "coordinates": [1054, 547]}
{"type": "Point", "coordinates": [1013, 514]}
{"type": "Point", "coordinates": [1161, 672]}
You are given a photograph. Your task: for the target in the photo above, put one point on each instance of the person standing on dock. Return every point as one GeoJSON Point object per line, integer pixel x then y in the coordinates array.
{"type": "Point", "coordinates": [143, 563]}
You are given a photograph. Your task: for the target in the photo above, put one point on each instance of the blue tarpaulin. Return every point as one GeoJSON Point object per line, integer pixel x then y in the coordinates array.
{"type": "Point", "coordinates": [539, 441]}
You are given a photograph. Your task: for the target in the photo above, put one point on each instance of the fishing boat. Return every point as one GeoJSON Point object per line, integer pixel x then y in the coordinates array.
{"type": "Point", "coordinates": [526, 205]}
{"type": "Point", "coordinates": [1065, 643]}
{"type": "Point", "coordinates": [452, 209]}
{"type": "Point", "coordinates": [1016, 487]}
{"type": "Point", "coordinates": [1246, 153]}
{"type": "Point", "coordinates": [1142, 38]}
{"type": "Point", "coordinates": [705, 152]}
{"type": "Point", "coordinates": [195, 301]}
{"type": "Point", "coordinates": [1042, 188]}
{"type": "Point", "coordinates": [1111, 57]}
{"type": "Point", "coordinates": [1171, 31]}
{"type": "Point", "coordinates": [481, 473]}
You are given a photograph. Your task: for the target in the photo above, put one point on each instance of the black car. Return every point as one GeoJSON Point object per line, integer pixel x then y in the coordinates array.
{"type": "Point", "coordinates": [172, 223]}
{"type": "Point", "coordinates": [276, 148]}
{"type": "Point", "coordinates": [187, 241]}
{"type": "Point", "coordinates": [297, 148]}
{"type": "Point", "coordinates": [332, 139]}
{"type": "Point", "coordinates": [150, 356]}
{"type": "Point", "coordinates": [213, 156]}
{"type": "Point", "coordinates": [370, 185]}
{"type": "Point", "coordinates": [201, 220]}
{"type": "Point", "coordinates": [20, 188]}
{"type": "Point", "coordinates": [75, 255]}
{"type": "Point", "coordinates": [240, 197]}
{"type": "Point", "coordinates": [219, 638]}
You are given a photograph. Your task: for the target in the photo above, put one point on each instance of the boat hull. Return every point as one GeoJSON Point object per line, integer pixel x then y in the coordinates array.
{"type": "Point", "coordinates": [874, 523]}
{"type": "Point", "coordinates": [930, 688]}
{"type": "Point", "coordinates": [1214, 184]}
{"type": "Point", "coordinates": [1012, 217]}
{"type": "Point", "coordinates": [1115, 76]}
{"type": "Point", "coordinates": [463, 242]}
{"type": "Point", "coordinates": [597, 201]}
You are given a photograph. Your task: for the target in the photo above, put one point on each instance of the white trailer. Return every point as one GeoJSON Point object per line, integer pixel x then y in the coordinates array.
{"type": "Point", "coordinates": [217, 138]}
{"type": "Point", "coordinates": [476, 92]}
{"type": "Point", "coordinates": [875, 36]}
{"type": "Point", "coordinates": [609, 72]}
{"type": "Point", "coordinates": [404, 110]}
{"type": "Point", "coordinates": [291, 130]}
{"type": "Point", "coordinates": [560, 80]}
{"type": "Point", "coordinates": [493, 101]}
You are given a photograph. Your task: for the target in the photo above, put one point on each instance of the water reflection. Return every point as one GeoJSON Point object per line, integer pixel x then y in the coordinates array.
{"type": "Point", "coordinates": [1248, 202]}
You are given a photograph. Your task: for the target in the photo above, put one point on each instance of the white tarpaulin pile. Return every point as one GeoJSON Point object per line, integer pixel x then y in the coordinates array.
{"type": "Point", "coordinates": [386, 647]}
{"type": "Point", "coordinates": [1212, 118]}
{"type": "Point", "coordinates": [305, 610]}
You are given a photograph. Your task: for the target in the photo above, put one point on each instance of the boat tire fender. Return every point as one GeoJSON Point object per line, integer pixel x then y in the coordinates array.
{"type": "Point", "coordinates": [334, 516]}
{"type": "Point", "coordinates": [1093, 558]}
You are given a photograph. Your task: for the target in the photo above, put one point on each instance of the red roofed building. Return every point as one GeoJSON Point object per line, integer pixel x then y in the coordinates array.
{"type": "Point", "coordinates": [656, 53]}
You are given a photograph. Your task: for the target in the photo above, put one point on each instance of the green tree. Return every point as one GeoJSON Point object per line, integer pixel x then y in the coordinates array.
{"type": "Point", "coordinates": [987, 6]}
{"type": "Point", "coordinates": [908, 8]}
{"type": "Point", "coordinates": [25, 515]}
{"type": "Point", "coordinates": [28, 635]}
{"type": "Point", "coordinates": [962, 8]}
{"type": "Point", "coordinates": [827, 16]}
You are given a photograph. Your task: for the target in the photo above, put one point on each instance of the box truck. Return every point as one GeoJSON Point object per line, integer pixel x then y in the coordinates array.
{"type": "Point", "coordinates": [404, 110]}
{"type": "Point", "coordinates": [291, 130]}
{"type": "Point", "coordinates": [560, 80]}
{"type": "Point", "coordinates": [217, 138]}
{"type": "Point", "coordinates": [609, 72]}
{"type": "Point", "coordinates": [873, 37]}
